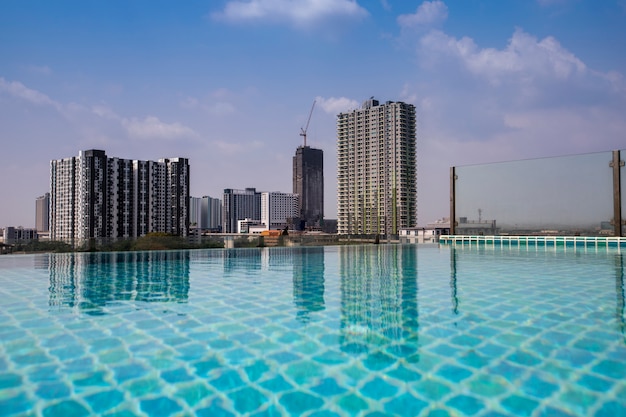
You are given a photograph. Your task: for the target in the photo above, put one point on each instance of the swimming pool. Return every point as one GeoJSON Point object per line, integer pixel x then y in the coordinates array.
{"type": "Point", "coordinates": [327, 331]}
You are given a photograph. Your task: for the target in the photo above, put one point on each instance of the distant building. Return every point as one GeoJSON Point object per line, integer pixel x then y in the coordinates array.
{"type": "Point", "coordinates": [376, 171]}
{"type": "Point", "coordinates": [13, 235]}
{"type": "Point", "coordinates": [428, 234]}
{"type": "Point", "coordinates": [42, 213]}
{"type": "Point", "coordinates": [476, 227]}
{"type": "Point", "coordinates": [93, 196]}
{"type": "Point", "coordinates": [278, 210]}
{"type": "Point", "coordinates": [195, 213]}
{"type": "Point", "coordinates": [205, 213]}
{"type": "Point", "coordinates": [211, 214]}
{"type": "Point", "coordinates": [240, 205]}
{"type": "Point", "coordinates": [250, 226]}
{"type": "Point", "coordinates": [308, 183]}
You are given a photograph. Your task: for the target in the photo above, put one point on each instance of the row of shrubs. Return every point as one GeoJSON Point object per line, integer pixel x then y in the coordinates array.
{"type": "Point", "coordinates": [151, 241]}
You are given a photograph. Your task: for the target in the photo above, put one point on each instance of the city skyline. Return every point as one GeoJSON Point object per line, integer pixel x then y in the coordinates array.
{"type": "Point", "coordinates": [228, 85]}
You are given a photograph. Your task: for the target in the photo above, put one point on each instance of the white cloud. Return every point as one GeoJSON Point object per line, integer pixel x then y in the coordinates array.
{"type": "Point", "coordinates": [152, 128]}
{"type": "Point", "coordinates": [104, 112]}
{"type": "Point", "coordinates": [296, 11]}
{"type": "Point", "coordinates": [19, 90]}
{"type": "Point", "coordinates": [524, 55]}
{"type": "Point", "coordinates": [336, 105]}
{"type": "Point", "coordinates": [427, 13]}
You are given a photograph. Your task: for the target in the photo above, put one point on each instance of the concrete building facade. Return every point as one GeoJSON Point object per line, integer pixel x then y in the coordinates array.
{"type": "Point", "coordinates": [93, 196]}
{"type": "Point", "coordinates": [42, 213]}
{"type": "Point", "coordinates": [240, 205]}
{"type": "Point", "coordinates": [376, 169]}
{"type": "Point", "coordinates": [278, 210]}
{"type": "Point", "coordinates": [211, 212]}
{"type": "Point", "coordinates": [308, 183]}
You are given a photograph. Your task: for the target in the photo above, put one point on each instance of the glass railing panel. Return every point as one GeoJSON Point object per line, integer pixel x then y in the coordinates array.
{"type": "Point", "coordinates": [568, 195]}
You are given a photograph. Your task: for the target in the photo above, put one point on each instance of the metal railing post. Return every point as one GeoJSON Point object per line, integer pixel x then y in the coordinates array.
{"type": "Point", "coordinates": [617, 165]}
{"type": "Point", "coordinates": [452, 201]}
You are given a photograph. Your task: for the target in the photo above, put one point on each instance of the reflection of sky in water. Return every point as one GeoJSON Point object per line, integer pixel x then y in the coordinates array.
{"type": "Point", "coordinates": [570, 190]}
{"type": "Point", "coordinates": [398, 330]}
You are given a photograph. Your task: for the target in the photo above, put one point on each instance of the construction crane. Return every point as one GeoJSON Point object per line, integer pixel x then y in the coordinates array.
{"type": "Point", "coordinates": [305, 128]}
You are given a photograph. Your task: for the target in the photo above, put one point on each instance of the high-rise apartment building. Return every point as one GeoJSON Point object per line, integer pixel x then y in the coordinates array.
{"type": "Point", "coordinates": [42, 213]}
{"type": "Point", "coordinates": [205, 213]}
{"type": "Point", "coordinates": [93, 196]}
{"type": "Point", "coordinates": [240, 205]}
{"type": "Point", "coordinates": [376, 169]}
{"type": "Point", "coordinates": [195, 213]}
{"type": "Point", "coordinates": [278, 210]}
{"type": "Point", "coordinates": [211, 213]}
{"type": "Point", "coordinates": [308, 183]}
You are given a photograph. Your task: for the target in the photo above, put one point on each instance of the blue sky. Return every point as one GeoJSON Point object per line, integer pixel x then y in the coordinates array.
{"type": "Point", "coordinates": [229, 83]}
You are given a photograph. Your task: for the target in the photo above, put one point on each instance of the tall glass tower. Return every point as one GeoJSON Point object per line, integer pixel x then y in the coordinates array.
{"type": "Point", "coordinates": [308, 183]}
{"type": "Point", "coordinates": [376, 168]}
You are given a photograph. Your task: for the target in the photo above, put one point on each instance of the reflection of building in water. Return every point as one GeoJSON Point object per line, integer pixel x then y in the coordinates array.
{"type": "Point", "coordinates": [91, 281]}
{"type": "Point", "coordinates": [308, 280]}
{"type": "Point", "coordinates": [378, 297]}
{"type": "Point", "coordinates": [242, 258]}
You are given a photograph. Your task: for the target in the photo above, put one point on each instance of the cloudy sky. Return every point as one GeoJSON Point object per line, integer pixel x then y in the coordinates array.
{"type": "Point", "coordinates": [229, 83]}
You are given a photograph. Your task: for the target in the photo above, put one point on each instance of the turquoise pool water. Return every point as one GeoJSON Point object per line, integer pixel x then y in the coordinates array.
{"type": "Point", "coordinates": [336, 331]}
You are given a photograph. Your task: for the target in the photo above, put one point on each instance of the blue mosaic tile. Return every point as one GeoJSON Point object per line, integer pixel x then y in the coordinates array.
{"type": "Point", "coordinates": [474, 360]}
{"type": "Point", "coordinates": [104, 400]}
{"type": "Point", "coordinates": [465, 404]}
{"type": "Point", "coordinates": [276, 384]}
{"type": "Point", "coordinates": [206, 366]}
{"type": "Point", "coordinates": [328, 387]}
{"type": "Point", "coordinates": [574, 357]}
{"type": "Point", "coordinates": [67, 408]}
{"type": "Point", "coordinates": [538, 387]}
{"type": "Point", "coordinates": [579, 400]}
{"type": "Point", "coordinates": [594, 383]}
{"type": "Point", "coordinates": [256, 370]}
{"type": "Point", "coordinates": [271, 411]}
{"type": "Point", "coordinates": [16, 404]}
{"type": "Point", "coordinates": [378, 389]}
{"type": "Point", "coordinates": [247, 399]}
{"type": "Point", "coordinates": [611, 369]}
{"type": "Point", "coordinates": [466, 340]}
{"type": "Point", "coordinates": [488, 385]}
{"type": "Point", "coordinates": [216, 409]}
{"type": "Point", "coordinates": [304, 372]}
{"type": "Point", "coordinates": [432, 389]}
{"type": "Point", "coordinates": [454, 373]}
{"type": "Point", "coordinates": [326, 413]}
{"type": "Point", "coordinates": [438, 413]}
{"type": "Point", "coordinates": [492, 350]}
{"type": "Point", "coordinates": [10, 380]}
{"type": "Point", "coordinates": [405, 374]}
{"type": "Point", "coordinates": [405, 405]}
{"type": "Point", "coordinates": [353, 404]}
{"type": "Point", "coordinates": [297, 403]}
{"type": "Point", "coordinates": [193, 393]}
{"type": "Point", "coordinates": [377, 361]}
{"type": "Point", "coordinates": [524, 358]}
{"type": "Point", "coordinates": [95, 379]}
{"type": "Point", "coordinates": [611, 409]}
{"type": "Point", "coordinates": [508, 370]}
{"type": "Point", "coordinates": [520, 406]}
{"type": "Point", "coordinates": [53, 390]}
